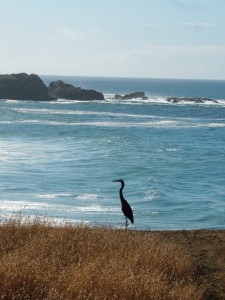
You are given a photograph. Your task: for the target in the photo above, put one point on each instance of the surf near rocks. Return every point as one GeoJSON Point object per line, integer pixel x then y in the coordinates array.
{"type": "Point", "coordinates": [135, 95]}
{"type": "Point", "coordinates": [190, 100]}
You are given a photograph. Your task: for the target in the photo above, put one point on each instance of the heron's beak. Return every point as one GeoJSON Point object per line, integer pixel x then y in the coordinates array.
{"type": "Point", "coordinates": [118, 180]}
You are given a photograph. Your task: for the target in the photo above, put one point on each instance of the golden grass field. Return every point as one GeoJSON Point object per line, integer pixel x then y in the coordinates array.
{"type": "Point", "coordinates": [41, 261]}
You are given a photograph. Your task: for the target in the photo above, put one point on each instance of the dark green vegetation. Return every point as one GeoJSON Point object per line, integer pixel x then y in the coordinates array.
{"type": "Point", "coordinates": [42, 261]}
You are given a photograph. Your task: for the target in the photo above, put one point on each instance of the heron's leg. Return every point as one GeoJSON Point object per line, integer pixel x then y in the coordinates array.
{"type": "Point", "coordinates": [126, 223]}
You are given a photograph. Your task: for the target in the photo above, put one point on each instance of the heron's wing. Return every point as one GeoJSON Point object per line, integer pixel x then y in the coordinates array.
{"type": "Point", "coordinates": [127, 210]}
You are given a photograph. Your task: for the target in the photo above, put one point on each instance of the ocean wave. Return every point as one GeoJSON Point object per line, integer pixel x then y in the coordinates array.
{"type": "Point", "coordinates": [11, 101]}
{"type": "Point", "coordinates": [19, 206]}
{"type": "Point", "coordinates": [80, 112]}
{"type": "Point", "coordinates": [110, 98]}
{"type": "Point", "coordinates": [94, 208]}
{"type": "Point", "coordinates": [12, 206]}
{"type": "Point", "coordinates": [151, 195]}
{"type": "Point", "coordinates": [45, 219]}
{"type": "Point", "coordinates": [120, 124]}
{"type": "Point", "coordinates": [172, 149]}
{"type": "Point", "coordinates": [166, 100]}
{"type": "Point", "coordinates": [87, 197]}
{"type": "Point", "coordinates": [164, 123]}
{"type": "Point", "coordinates": [52, 196]}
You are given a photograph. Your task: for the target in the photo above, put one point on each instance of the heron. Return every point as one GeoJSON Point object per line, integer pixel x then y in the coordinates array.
{"type": "Point", "coordinates": [125, 206]}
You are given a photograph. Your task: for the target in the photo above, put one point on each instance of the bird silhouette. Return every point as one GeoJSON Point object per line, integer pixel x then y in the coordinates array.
{"type": "Point", "coordinates": [125, 206]}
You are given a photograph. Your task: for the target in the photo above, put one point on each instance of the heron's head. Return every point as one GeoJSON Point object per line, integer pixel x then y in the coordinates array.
{"type": "Point", "coordinates": [121, 181]}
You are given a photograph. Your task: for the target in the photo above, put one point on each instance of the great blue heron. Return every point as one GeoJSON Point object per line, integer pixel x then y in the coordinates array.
{"type": "Point", "coordinates": [125, 206]}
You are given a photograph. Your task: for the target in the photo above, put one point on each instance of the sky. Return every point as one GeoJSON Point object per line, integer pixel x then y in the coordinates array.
{"type": "Point", "coordinates": [114, 38]}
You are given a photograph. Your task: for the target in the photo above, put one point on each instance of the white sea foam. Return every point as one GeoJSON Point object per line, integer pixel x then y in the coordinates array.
{"type": "Point", "coordinates": [213, 125]}
{"type": "Point", "coordinates": [12, 101]}
{"type": "Point", "coordinates": [94, 208]}
{"type": "Point", "coordinates": [162, 100]}
{"type": "Point", "coordinates": [18, 206]}
{"type": "Point", "coordinates": [52, 196]}
{"type": "Point", "coordinates": [164, 123]}
{"type": "Point", "coordinates": [151, 195]}
{"type": "Point", "coordinates": [153, 124]}
{"type": "Point", "coordinates": [87, 197]}
{"type": "Point", "coordinates": [172, 149]}
{"type": "Point", "coordinates": [30, 218]}
{"type": "Point", "coordinates": [80, 112]}
{"type": "Point", "coordinates": [109, 98]}
{"type": "Point", "coordinates": [9, 205]}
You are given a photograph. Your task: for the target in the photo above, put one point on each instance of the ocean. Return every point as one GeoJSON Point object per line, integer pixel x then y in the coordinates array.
{"type": "Point", "coordinates": [58, 158]}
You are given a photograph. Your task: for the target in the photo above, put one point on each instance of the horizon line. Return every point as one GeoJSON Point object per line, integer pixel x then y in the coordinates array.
{"type": "Point", "coordinates": [132, 77]}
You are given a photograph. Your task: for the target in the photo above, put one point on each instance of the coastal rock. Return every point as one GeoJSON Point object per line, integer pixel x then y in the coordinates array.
{"type": "Point", "coordinates": [62, 90]}
{"type": "Point", "coordinates": [188, 99]}
{"type": "Point", "coordinates": [136, 95]}
{"type": "Point", "coordinates": [22, 86]}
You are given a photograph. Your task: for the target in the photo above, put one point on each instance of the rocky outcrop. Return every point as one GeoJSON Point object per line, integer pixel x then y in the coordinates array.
{"type": "Point", "coordinates": [62, 90]}
{"type": "Point", "coordinates": [136, 95]}
{"type": "Point", "coordinates": [22, 86]}
{"type": "Point", "coordinates": [188, 99]}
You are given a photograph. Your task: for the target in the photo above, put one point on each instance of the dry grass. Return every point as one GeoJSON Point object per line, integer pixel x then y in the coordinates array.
{"type": "Point", "coordinates": [41, 261]}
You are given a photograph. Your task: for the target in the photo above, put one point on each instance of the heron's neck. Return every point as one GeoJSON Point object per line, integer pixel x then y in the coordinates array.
{"type": "Point", "coordinates": [121, 194]}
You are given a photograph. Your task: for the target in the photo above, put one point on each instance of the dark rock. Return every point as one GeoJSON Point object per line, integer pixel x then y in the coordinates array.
{"type": "Point", "coordinates": [22, 86]}
{"type": "Point", "coordinates": [118, 97]}
{"type": "Point", "coordinates": [62, 90]}
{"type": "Point", "coordinates": [136, 95]}
{"type": "Point", "coordinates": [188, 99]}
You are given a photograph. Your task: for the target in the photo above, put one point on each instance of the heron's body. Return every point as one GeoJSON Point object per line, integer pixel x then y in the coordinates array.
{"type": "Point", "coordinates": [125, 206]}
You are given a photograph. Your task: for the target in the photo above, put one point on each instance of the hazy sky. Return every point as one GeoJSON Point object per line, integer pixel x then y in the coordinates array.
{"type": "Point", "coordinates": [132, 38]}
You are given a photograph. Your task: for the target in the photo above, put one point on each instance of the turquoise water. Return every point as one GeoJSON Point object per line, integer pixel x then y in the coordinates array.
{"type": "Point", "coordinates": [59, 158]}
